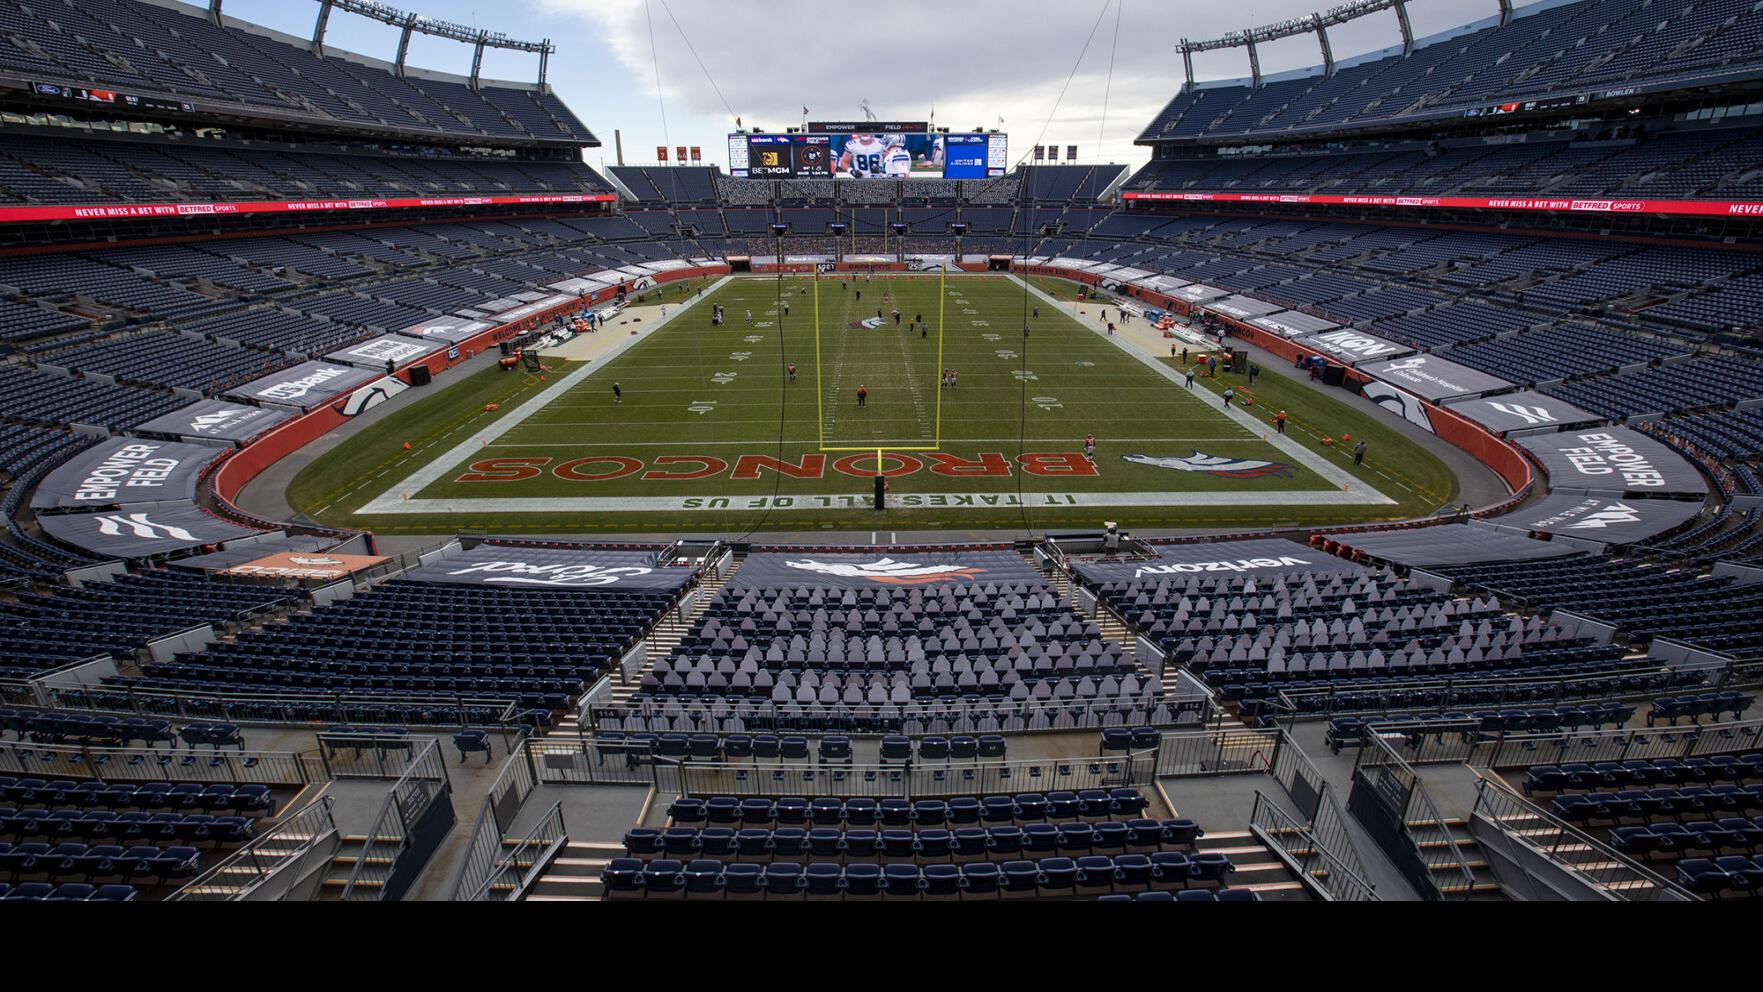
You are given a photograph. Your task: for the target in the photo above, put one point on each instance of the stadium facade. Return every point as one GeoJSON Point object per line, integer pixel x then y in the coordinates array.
{"type": "Point", "coordinates": [1531, 238]}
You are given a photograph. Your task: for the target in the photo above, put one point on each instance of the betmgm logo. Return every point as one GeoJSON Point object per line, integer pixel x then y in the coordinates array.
{"type": "Point", "coordinates": [1533, 416]}
{"type": "Point", "coordinates": [140, 526]}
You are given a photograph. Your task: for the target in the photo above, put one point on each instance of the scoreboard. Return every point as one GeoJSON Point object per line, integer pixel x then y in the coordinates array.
{"type": "Point", "coordinates": [819, 155]}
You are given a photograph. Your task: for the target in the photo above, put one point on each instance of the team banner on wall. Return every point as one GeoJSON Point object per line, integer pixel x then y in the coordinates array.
{"type": "Point", "coordinates": [1451, 544]}
{"type": "Point", "coordinates": [1612, 460]}
{"type": "Point", "coordinates": [1520, 411]}
{"type": "Point", "coordinates": [890, 569]}
{"type": "Point", "coordinates": [144, 211]}
{"type": "Point", "coordinates": [1195, 292]}
{"type": "Point", "coordinates": [512, 567]}
{"type": "Point", "coordinates": [307, 567]}
{"type": "Point", "coordinates": [450, 329]}
{"type": "Point", "coordinates": [1352, 347]}
{"type": "Point", "coordinates": [217, 420]}
{"type": "Point", "coordinates": [304, 386]}
{"type": "Point", "coordinates": [1293, 324]}
{"type": "Point", "coordinates": [375, 353]}
{"type": "Point", "coordinates": [1603, 518]}
{"type": "Point", "coordinates": [139, 534]}
{"type": "Point", "coordinates": [1432, 378]}
{"type": "Point", "coordinates": [1398, 402]}
{"type": "Point", "coordinates": [1246, 558]}
{"type": "Point", "coordinates": [1243, 307]}
{"type": "Point", "coordinates": [124, 470]}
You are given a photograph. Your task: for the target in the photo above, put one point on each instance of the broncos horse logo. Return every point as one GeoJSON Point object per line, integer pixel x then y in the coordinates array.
{"type": "Point", "coordinates": [889, 571]}
{"type": "Point", "coordinates": [1214, 465]}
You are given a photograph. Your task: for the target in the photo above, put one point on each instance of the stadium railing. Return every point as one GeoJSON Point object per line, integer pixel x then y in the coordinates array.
{"type": "Point", "coordinates": [502, 804]}
{"type": "Point", "coordinates": [241, 872]}
{"type": "Point", "coordinates": [1479, 692]}
{"type": "Point", "coordinates": [1636, 744]}
{"type": "Point", "coordinates": [520, 863]}
{"type": "Point", "coordinates": [1310, 854]}
{"type": "Point", "coordinates": [125, 764]}
{"type": "Point", "coordinates": [259, 709]}
{"type": "Point", "coordinates": [396, 835]}
{"type": "Point", "coordinates": [1233, 751]}
{"type": "Point", "coordinates": [1523, 824]}
{"type": "Point", "coordinates": [1392, 802]}
{"type": "Point", "coordinates": [915, 781]}
{"type": "Point", "coordinates": [950, 717]}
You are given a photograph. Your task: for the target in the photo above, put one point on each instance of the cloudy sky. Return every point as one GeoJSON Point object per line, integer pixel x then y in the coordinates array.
{"type": "Point", "coordinates": [973, 61]}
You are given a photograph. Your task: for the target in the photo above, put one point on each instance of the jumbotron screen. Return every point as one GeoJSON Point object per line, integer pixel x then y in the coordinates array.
{"type": "Point", "coordinates": [868, 155]}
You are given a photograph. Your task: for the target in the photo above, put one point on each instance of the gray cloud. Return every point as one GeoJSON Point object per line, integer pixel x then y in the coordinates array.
{"type": "Point", "coordinates": [973, 62]}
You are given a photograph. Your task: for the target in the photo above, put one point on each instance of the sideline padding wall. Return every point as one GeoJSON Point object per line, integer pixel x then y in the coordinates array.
{"type": "Point", "coordinates": [251, 461]}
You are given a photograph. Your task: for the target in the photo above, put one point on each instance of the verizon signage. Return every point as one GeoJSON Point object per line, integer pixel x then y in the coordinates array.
{"type": "Point", "coordinates": [1698, 208]}
{"type": "Point", "coordinates": [1249, 558]}
{"type": "Point", "coordinates": [145, 211]}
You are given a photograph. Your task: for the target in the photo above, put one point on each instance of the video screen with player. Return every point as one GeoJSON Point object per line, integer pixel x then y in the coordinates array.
{"type": "Point", "coordinates": [871, 154]}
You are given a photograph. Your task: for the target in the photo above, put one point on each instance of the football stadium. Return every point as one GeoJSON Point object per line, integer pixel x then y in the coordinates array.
{"type": "Point", "coordinates": [414, 492]}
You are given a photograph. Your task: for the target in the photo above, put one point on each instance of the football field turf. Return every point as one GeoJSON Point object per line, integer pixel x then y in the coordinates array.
{"type": "Point", "coordinates": [712, 433]}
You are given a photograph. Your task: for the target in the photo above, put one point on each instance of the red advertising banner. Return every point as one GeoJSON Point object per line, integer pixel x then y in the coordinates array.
{"type": "Point", "coordinates": [1725, 208]}
{"type": "Point", "coordinates": [133, 211]}
{"type": "Point", "coordinates": [680, 154]}
{"type": "Point", "coordinates": [660, 153]}
{"type": "Point", "coordinates": [697, 154]}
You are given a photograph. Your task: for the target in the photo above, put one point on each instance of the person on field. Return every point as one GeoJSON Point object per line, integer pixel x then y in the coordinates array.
{"type": "Point", "coordinates": [1229, 394]}
{"type": "Point", "coordinates": [1254, 370]}
{"type": "Point", "coordinates": [1359, 452]}
{"type": "Point", "coordinates": [1090, 447]}
{"type": "Point", "coordinates": [792, 368]}
{"type": "Point", "coordinates": [786, 308]}
{"type": "Point", "coordinates": [1279, 422]}
{"type": "Point", "coordinates": [1190, 374]}
{"type": "Point", "coordinates": [617, 394]}
{"type": "Point", "coordinates": [862, 395]}
{"type": "Point", "coordinates": [749, 316]}
{"type": "Point", "coordinates": [1184, 354]}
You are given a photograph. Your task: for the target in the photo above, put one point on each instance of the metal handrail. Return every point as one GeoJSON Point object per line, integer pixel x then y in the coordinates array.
{"type": "Point", "coordinates": [483, 851]}
{"type": "Point", "coordinates": [1524, 750]}
{"type": "Point", "coordinates": [306, 828]}
{"type": "Point", "coordinates": [1331, 877]}
{"type": "Point", "coordinates": [241, 707]}
{"type": "Point", "coordinates": [1615, 874]}
{"type": "Point", "coordinates": [526, 857]}
{"type": "Point", "coordinates": [425, 778]}
{"type": "Point", "coordinates": [1421, 815]}
{"type": "Point", "coordinates": [1292, 702]}
{"type": "Point", "coordinates": [886, 718]}
{"type": "Point", "coordinates": [131, 764]}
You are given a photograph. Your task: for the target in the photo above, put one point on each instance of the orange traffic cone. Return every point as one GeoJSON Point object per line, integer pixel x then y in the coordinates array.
{"type": "Point", "coordinates": [406, 445]}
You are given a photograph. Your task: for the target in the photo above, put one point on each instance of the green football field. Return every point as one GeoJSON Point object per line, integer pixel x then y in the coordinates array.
{"type": "Point", "coordinates": [712, 433]}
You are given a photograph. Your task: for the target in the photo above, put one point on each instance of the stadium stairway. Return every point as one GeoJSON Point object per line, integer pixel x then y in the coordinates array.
{"type": "Point", "coordinates": [1455, 830]}
{"type": "Point", "coordinates": [574, 875]}
{"type": "Point", "coordinates": [342, 865]}
{"type": "Point", "coordinates": [666, 637]}
{"type": "Point", "coordinates": [1254, 866]}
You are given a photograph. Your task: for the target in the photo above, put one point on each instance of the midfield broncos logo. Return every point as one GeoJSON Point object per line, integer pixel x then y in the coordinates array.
{"type": "Point", "coordinates": [868, 324]}
{"type": "Point", "coordinates": [1213, 465]}
{"type": "Point", "coordinates": [891, 572]}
